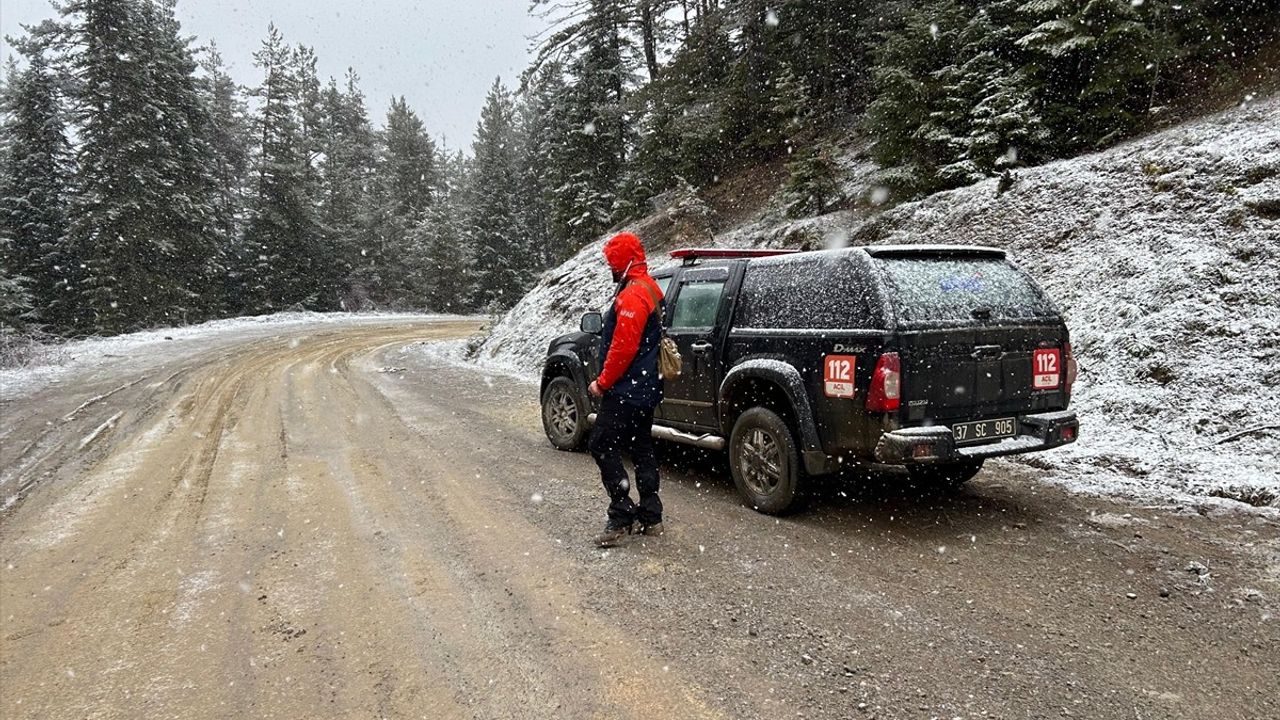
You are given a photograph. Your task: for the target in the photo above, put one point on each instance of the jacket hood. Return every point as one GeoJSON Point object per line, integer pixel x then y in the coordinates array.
{"type": "Point", "coordinates": [625, 250]}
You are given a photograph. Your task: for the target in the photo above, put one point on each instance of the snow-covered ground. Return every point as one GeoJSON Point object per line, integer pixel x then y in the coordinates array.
{"type": "Point", "coordinates": [60, 360]}
{"type": "Point", "coordinates": [1163, 254]}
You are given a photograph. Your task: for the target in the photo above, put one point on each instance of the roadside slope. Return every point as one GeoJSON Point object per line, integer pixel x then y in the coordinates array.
{"type": "Point", "coordinates": [1162, 253]}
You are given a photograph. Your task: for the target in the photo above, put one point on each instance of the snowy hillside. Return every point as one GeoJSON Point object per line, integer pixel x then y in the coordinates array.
{"type": "Point", "coordinates": [1163, 253]}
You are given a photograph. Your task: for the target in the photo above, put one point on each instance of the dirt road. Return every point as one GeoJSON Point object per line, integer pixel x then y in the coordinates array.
{"type": "Point", "coordinates": [329, 524]}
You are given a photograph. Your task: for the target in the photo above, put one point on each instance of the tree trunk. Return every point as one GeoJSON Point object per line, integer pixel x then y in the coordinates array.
{"type": "Point", "coordinates": [649, 34]}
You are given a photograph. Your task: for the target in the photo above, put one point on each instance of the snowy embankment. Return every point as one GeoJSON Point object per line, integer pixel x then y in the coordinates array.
{"type": "Point", "coordinates": [56, 361]}
{"type": "Point", "coordinates": [1162, 252]}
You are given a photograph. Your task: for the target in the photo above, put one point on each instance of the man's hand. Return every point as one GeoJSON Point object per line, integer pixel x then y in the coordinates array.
{"type": "Point", "coordinates": [595, 390]}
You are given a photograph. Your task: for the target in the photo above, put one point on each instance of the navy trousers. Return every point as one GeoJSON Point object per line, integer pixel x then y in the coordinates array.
{"type": "Point", "coordinates": [624, 428]}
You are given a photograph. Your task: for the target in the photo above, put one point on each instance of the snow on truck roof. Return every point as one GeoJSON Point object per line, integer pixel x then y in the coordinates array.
{"type": "Point", "coordinates": [691, 255]}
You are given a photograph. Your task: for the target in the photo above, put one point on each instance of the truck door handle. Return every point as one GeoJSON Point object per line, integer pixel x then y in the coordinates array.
{"type": "Point", "coordinates": [987, 351]}
{"type": "Point", "coordinates": [701, 348]}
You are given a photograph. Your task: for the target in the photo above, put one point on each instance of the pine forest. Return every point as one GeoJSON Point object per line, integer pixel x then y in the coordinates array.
{"type": "Point", "coordinates": [140, 186]}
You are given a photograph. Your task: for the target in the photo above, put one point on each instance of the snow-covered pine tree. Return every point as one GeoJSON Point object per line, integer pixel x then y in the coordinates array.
{"type": "Point", "coordinates": [39, 274]}
{"type": "Point", "coordinates": [497, 233]}
{"type": "Point", "coordinates": [682, 128]}
{"type": "Point", "coordinates": [756, 66]}
{"type": "Point", "coordinates": [1093, 63]}
{"type": "Point", "coordinates": [349, 157]}
{"type": "Point", "coordinates": [545, 167]}
{"type": "Point", "coordinates": [827, 44]}
{"type": "Point", "coordinates": [599, 68]}
{"type": "Point", "coordinates": [141, 217]}
{"type": "Point", "coordinates": [228, 143]}
{"type": "Point", "coordinates": [409, 168]}
{"type": "Point", "coordinates": [916, 131]}
{"type": "Point", "coordinates": [439, 258]}
{"type": "Point", "coordinates": [276, 257]}
{"type": "Point", "coordinates": [326, 261]}
{"type": "Point", "coordinates": [16, 302]}
{"type": "Point", "coordinates": [407, 177]}
{"type": "Point", "coordinates": [191, 171]}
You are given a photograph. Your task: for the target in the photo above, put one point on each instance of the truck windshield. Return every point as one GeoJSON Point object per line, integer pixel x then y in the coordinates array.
{"type": "Point", "coordinates": [946, 289]}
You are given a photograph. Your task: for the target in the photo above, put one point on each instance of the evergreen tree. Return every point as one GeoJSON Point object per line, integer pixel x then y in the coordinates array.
{"type": "Point", "coordinates": [346, 176]}
{"type": "Point", "coordinates": [749, 122]}
{"type": "Point", "coordinates": [546, 166]}
{"type": "Point", "coordinates": [34, 182]}
{"type": "Point", "coordinates": [409, 168]}
{"type": "Point", "coordinates": [141, 218]}
{"type": "Point", "coordinates": [439, 258]}
{"type": "Point", "coordinates": [228, 146]}
{"type": "Point", "coordinates": [813, 177]}
{"type": "Point", "coordinates": [278, 257]}
{"type": "Point", "coordinates": [500, 240]}
{"type": "Point", "coordinates": [599, 68]}
{"type": "Point", "coordinates": [1092, 61]}
{"type": "Point", "coordinates": [683, 126]}
{"type": "Point", "coordinates": [910, 143]}
{"type": "Point", "coordinates": [406, 186]}
{"type": "Point", "coordinates": [828, 45]}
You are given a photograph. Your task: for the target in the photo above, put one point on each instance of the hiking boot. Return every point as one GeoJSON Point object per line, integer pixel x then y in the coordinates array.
{"type": "Point", "coordinates": [653, 530]}
{"type": "Point", "coordinates": [612, 535]}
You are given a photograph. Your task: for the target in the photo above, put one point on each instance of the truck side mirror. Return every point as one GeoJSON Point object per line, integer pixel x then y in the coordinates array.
{"type": "Point", "coordinates": [592, 323]}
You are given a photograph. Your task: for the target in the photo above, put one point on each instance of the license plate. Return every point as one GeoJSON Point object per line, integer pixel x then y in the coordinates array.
{"type": "Point", "coordinates": [985, 430]}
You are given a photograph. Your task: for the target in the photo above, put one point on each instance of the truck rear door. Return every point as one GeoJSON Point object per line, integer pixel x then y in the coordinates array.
{"type": "Point", "coordinates": [977, 337]}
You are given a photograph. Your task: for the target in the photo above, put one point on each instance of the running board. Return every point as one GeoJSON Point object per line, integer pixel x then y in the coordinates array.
{"type": "Point", "coordinates": [706, 441]}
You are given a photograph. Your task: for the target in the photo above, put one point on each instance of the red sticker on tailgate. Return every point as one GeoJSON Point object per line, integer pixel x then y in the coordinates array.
{"type": "Point", "coordinates": [1046, 369]}
{"type": "Point", "coordinates": [838, 375]}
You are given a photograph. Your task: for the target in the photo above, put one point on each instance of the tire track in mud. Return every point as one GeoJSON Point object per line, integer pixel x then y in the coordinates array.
{"type": "Point", "coordinates": [250, 526]}
{"type": "Point", "coordinates": [110, 550]}
{"type": "Point", "coordinates": [505, 608]}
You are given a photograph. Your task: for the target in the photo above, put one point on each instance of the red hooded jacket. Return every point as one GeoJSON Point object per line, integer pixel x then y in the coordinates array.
{"type": "Point", "coordinates": [640, 296]}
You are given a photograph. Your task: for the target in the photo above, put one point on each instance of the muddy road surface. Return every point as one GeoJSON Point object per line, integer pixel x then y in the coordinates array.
{"type": "Point", "coordinates": [326, 522]}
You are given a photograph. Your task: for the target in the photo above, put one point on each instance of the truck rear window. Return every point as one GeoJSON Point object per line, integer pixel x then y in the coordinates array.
{"type": "Point", "coordinates": [941, 289]}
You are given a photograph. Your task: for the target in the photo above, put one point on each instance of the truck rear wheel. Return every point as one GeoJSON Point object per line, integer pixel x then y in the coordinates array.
{"type": "Point", "coordinates": [765, 462]}
{"type": "Point", "coordinates": [564, 414]}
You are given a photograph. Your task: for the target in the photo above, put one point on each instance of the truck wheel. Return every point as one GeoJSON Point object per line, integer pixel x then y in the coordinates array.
{"type": "Point", "coordinates": [764, 461]}
{"type": "Point", "coordinates": [946, 477]}
{"type": "Point", "coordinates": [564, 414]}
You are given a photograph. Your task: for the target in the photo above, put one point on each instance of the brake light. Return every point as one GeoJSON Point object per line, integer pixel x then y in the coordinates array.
{"type": "Point", "coordinates": [885, 394]}
{"type": "Point", "coordinates": [1072, 368]}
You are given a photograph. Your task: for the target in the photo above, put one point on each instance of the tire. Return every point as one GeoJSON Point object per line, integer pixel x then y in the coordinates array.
{"type": "Point", "coordinates": [564, 415]}
{"type": "Point", "coordinates": [944, 477]}
{"type": "Point", "coordinates": [765, 462]}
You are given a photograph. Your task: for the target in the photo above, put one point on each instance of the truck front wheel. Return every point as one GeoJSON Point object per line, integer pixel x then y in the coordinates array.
{"type": "Point", "coordinates": [564, 414]}
{"type": "Point", "coordinates": [765, 462]}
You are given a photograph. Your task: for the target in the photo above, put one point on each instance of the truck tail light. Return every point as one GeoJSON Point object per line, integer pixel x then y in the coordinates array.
{"type": "Point", "coordinates": [1072, 368]}
{"type": "Point", "coordinates": [885, 394]}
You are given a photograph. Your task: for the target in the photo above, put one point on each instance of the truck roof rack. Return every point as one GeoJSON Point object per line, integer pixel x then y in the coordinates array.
{"type": "Point", "coordinates": [691, 255]}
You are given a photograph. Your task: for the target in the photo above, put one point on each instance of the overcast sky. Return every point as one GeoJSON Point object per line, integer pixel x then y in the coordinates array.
{"type": "Point", "coordinates": [442, 55]}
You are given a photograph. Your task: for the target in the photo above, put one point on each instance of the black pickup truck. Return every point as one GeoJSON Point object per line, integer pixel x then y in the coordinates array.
{"type": "Point", "coordinates": [918, 360]}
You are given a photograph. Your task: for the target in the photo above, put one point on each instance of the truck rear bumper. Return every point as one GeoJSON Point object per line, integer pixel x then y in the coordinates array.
{"type": "Point", "coordinates": [936, 444]}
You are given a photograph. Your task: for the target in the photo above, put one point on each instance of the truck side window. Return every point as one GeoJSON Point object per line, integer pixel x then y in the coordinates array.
{"type": "Point", "coordinates": [808, 293]}
{"type": "Point", "coordinates": [697, 305]}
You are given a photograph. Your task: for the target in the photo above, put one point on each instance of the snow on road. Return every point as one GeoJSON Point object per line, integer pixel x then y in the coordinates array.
{"type": "Point", "coordinates": [63, 360]}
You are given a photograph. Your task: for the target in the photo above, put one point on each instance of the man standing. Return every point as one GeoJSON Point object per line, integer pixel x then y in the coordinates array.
{"type": "Point", "coordinates": [631, 389]}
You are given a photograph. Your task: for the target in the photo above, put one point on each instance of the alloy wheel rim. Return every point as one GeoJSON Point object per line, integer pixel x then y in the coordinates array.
{"type": "Point", "coordinates": [562, 413]}
{"type": "Point", "coordinates": [761, 459]}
